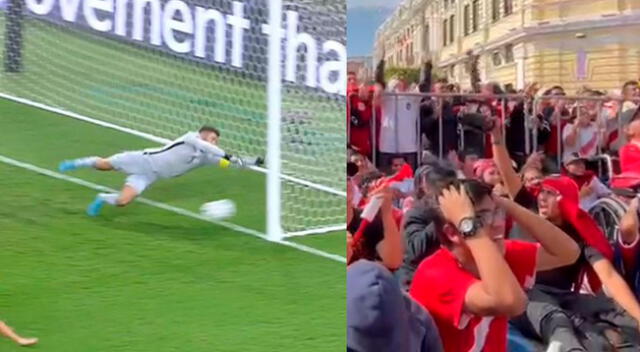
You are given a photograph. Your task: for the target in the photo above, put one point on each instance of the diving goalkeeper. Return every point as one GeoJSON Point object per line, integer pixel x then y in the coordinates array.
{"type": "Point", "coordinates": [144, 167]}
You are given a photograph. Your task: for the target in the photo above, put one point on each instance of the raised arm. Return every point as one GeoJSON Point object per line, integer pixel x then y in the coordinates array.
{"type": "Point", "coordinates": [570, 134]}
{"type": "Point", "coordinates": [557, 248]}
{"type": "Point", "coordinates": [501, 157]}
{"type": "Point", "coordinates": [617, 288]}
{"type": "Point", "coordinates": [425, 77]}
{"type": "Point", "coordinates": [629, 224]}
{"type": "Point", "coordinates": [391, 248]}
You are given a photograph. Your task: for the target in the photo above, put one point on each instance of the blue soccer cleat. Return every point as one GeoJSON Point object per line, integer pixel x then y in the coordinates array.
{"type": "Point", "coordinates": [94, 208]}
{"type": "Point", "coordinates": [67, 165]}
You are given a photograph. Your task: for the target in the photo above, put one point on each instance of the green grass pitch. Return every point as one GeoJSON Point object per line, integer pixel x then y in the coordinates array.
{"type": "Point", "coordinates": [142, 278]}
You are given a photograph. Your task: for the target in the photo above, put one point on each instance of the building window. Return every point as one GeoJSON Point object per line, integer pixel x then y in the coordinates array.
{"type": "Point", "coordinates": [508, 7]}
{"type": "Point", "coordinates": [445, 31]}
{"type": "Point", "coordinates": [452, 71]}
{"type": "Point", "coordinates": [508, 53]}
{"type": "Point", "coordinates": [476, 15]}
{"type": "Point", "coordinates": [446, 4]}
{"type": "Point", "coordinates": [495, 10]}
{"type": "Point", "coordinates": [452, 23]}
{"type": "Point", "coordinates": [496, 59]}
{"type": "Point", "coordinates": [466, 19]}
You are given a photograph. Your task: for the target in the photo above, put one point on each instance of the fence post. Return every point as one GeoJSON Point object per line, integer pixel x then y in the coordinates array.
{"type": "Point", "coordinates": [420, 148]}
{"type": "Point", "coordinates": [535, 129]}
{"type": "Point", "coordinates": [440, 132]}
{"type": "Point", "coordinates": [396, 126]}
{"type": "Point", "coordinates": [374, 135]}
{"type": "Point", "coordinates": [559, 131]}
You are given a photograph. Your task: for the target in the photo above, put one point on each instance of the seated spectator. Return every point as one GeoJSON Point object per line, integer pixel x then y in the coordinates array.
{"type": "Point", "coordinates": [630, 152]}
{"type": "Point", "coordinates": [556, 297]}
{"type": "Point", "coordinates": [381, 240]}
{"type": "Point", "coordinates": [363, 164]}
{"type": "Point", "coordinates": [419, 235]}
{"type": "Point", "coordinates": [486, 171]}
{"type": "Point", "coordinates": [380, 317]}
{"type": "Point", "coordinates": [475, 282]}
{"type": "Point", "coordinates": [591, 188]}
{"type": "Point", "coordinates": [536, 160]}
{"type": "Point", "coordinates": [532, 178]}
{"type": "Point", "coordinates": [402, 189]}
{"type": "Point", "coordinates": [368, 182]}
{"type": "Point", "coordinates": [557, 311]}
{"type": "Point", "coordinates": [465, 161]}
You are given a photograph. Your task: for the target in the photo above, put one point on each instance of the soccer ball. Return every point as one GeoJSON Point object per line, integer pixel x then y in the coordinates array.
{"type": "Point", "coordinates": [219, 209]}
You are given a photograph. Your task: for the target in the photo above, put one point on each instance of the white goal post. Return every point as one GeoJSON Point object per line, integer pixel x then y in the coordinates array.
{"type": "Point", "coordinates": [270, 73]}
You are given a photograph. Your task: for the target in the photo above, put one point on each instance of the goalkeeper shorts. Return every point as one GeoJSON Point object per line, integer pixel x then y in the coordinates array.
{"type": "Point", "coordinates": [137, 166]}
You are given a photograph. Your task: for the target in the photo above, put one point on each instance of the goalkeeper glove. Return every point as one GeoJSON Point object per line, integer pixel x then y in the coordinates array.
{"type": "Point", "coordinates": [245, 162]}
{"type": "Point", "coordinates": [237, 162]}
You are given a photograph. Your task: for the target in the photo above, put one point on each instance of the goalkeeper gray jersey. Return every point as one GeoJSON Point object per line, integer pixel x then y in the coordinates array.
{"type": "Point", "coordinates": [183, 155]}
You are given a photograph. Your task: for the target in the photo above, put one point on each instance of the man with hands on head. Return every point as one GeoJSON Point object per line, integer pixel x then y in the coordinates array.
{"type": "Point", "coordinates": [475, 282]}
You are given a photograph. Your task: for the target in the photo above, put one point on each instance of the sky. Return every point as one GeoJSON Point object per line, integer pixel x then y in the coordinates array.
{"type": "Point", "coordinates": [363, 19]}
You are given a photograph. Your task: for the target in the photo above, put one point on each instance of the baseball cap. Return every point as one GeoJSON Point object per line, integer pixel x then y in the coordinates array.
{"type": "Point", "coordinates": [572, 157]}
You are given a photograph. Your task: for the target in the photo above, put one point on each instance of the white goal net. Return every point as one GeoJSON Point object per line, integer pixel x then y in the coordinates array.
{"type": "Point", "coordinates": [162, 67]}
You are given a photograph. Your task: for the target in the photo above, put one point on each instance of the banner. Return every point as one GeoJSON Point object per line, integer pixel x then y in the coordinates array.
{"type": "Point", "coordinates": [229, 34]}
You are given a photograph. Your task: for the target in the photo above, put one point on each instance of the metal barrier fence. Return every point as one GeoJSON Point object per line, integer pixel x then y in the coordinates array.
{"type": "Point", "coordinates": [606, 111]}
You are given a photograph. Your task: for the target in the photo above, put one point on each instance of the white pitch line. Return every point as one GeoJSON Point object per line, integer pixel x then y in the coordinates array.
{"type": "Point", "coordinates": [156, 139]}
{"type": "Point", "coordinates": [170, 208]}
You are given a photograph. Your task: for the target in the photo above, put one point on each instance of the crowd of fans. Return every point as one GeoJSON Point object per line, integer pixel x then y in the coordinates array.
{"type": "Point", "coordinates": [473, 242]}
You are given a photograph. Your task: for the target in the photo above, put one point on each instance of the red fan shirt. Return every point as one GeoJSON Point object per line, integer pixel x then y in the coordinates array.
{"type": "Point", "coordinates": [440, 285]}
{"type": "Point", "coordinates": [630, 157]}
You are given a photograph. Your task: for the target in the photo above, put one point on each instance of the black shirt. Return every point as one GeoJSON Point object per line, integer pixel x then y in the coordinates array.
{"type": "Point", "coordinates": [563, 277]}
{"type": "Point", "coordinates": [420, 239]}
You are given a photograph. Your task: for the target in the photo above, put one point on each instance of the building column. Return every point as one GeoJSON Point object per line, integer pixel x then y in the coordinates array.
{"type": "Point", "coordinates": [519, 55]}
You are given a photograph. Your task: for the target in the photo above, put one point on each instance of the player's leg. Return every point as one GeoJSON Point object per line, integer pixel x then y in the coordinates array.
{"type": "Point", "coordinates": [126, 196]}
{"type": "Point", "coordinates": [87, 162]}
{"type": "Point", "coordinates": [134, 186]}
{"type": "Point", "coordinates": [23, 341]}
{"type": "Point", "coordinates": [127, 162]}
